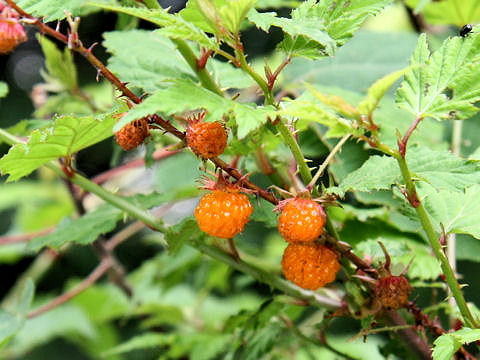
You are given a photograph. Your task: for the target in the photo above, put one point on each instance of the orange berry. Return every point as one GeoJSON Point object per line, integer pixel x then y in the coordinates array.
{"type": "Point", "coordinates": [11, 34]}
{"type": "Point", "coordinates": [309, 265]}
{"type": "Point", "coordinates": [223, 213]}
{"type": "Point", "coordinates": [133, 134]}
{"type": "Point", "coordinates": [301, 220]}
{"type": "Point", "coordinates": [207, 140]}
{"type": "Point", "coordinates": [392, 291]}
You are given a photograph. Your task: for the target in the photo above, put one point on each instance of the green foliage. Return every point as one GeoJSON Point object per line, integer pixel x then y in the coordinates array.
{"type": "Point", "coordinates": [317, 29]}
{"type": "Point", "coordinates": [3, 89]}
{"type": "Point", "coordinates": [448, 12]}
{"type": "Point", "coordinates": [448, 344]}
{"type": "Point", "coordinates": [64, 138]}
{"type": "Point", "coordinates": [443, 84]}
{"type": "Point", "coordinates": [51, 11]}
{"type": "Point", "coordinates": [183, 95]}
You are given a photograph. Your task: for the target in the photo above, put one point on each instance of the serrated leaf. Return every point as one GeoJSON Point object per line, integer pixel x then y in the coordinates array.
{"type": "Point", "coordinates": [61, 69]}
{"type": "Point", "coordinates": [441, 169]}
{"type": "Point", "coordinates": [3, 89]}
{"type": "Point", "coordinates": [183, 95]}
{"type": "Point", "coordinates": [317, 29]}
{"type": "Point", "coordinates": [458, 212]}
{"type": "Point", "coordinates": [447, 12]}
{"type": "Point", "coordinates": [444, 84]}
{"type": "Point", "coordinates": [233, 12]}
{"type": "Point", "coordinates": [173, 26]}
{"type": "Point", "coordinates": [335, 102]}
{"type": "Point", "coordinates": [13, 318]}
{"type": "Point", "coordinates": [129, 63]}
{"type": "Point", "coordinates": [88, 227]}
{"type": "Point", "coordinates": [64, 138]}
{"type": "Point", "coordinates": [378, 90]}
{"type": "Point", "coordinates": [447, 345]}
{"type": "Point", "coordinates": [179, 234]}
{"type": "Point", "coordinates": [51, 10]}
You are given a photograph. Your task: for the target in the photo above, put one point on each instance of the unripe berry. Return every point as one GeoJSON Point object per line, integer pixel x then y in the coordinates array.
{"type": "Point", "coordinates": [309, 265]}
{"type": "Point", "coordinates": [223, 213]}
{"type": "Point", "coordinates": [133, 134]}
{"type": "Point", "coordinates": [301, 220]}
{"type": "Point", "coordinates": [392, 291]}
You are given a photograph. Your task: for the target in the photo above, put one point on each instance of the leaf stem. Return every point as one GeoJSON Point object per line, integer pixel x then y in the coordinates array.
{"type": "Point", "coordinates": [202, 73]}
{"type": "Point", "coordinates": [435, 242]}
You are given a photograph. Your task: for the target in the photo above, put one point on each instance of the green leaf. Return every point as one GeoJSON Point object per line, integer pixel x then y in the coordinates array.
{"type": "Point", "coordinates": [458, 212]}
{"type": "Point", "coordinates": [143, 341]}
{"type": "Point", "coordinates": [447, 12]}
{"type": "Point", "coordinates": [185, 95]}
{"type": "Point", "coordinates": [88, 227]}
{"type": "Point", "coordinates": [51, 10]}
{"type": "Point", "coordinates": [441, 169]}
{"type": "Point", "coordinates": [444, 84]}
{"type": "Point", "coordinates": [233, 12]}
{"type": "Point", "coordinates": [129, 63]}
{"type": "Point", "coordinates": [317, 29]}
{"type": "Point", "coordinates": [181, 233]}
{"type": "Point", "coordinates": [378, 90]}
{"type": "Point", "coordinates": [447, 345]}
{"type": "Point", "coordinates": [61, 70]}
{"type": "Point", "coordinates": [64, 138]}
{"type": "Point", "coordinates": [3, 89]}
{"type": "Point", "coordinates": [13, 319]}
{"type": "Point", "coordinates": [173, 26]}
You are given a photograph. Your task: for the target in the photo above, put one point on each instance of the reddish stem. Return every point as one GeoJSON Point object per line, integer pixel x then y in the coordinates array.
{"type": "Point", "coordinates": [402, 145]}
{"type": "Point", "coordinates": [271, 78]}
{"type": "Point", "coordinates": [14, 239]}
{"type": "Point", "coordinates": [202, 61]}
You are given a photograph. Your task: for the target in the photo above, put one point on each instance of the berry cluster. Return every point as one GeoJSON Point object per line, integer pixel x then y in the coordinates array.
{"type": "Point", "coordinates": [305, 262]}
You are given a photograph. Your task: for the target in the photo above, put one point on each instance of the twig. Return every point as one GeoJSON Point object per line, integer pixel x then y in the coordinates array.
{"type": "Point", "coordinates": [14, 239]}
{"type": "Point", "coordinates": [330, 156]}
{"type": "Point", "coordinates": [402, 145]}
{"type": "Point", "coordinates": [96, 274]}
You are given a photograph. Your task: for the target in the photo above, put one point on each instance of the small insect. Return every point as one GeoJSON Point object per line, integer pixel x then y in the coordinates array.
{"type": "Point", "coordinates": [465, 30]}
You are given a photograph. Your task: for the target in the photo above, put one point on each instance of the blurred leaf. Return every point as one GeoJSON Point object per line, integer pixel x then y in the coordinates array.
{"type": "Point", "coordinates": [186, 231]}
{"type": "Point", "coordinates": [185, 95]}
{"type": "Point", "coordinates": [232, 13]}
{"type": "Point", "coordinates": [13, 319]}
{"type": "Point", "coordinates": [467, 248]}
{"type": "Point", "coordinates": [444, 84]}
{"type": "Point", "coordinates": [447, 12]}
{"type": "Point", "coordinates": [447, 345]}
{"type": "Point", "coordinates": [86, 229]}
{"type": "Point", "coordinates": [129, 63]}
{"type": "Point", "coordinates": [317, 29]}
{"type": "Point", "coordinates": [61, 69]}
{"type": "Point", "coordinates": [173, 26]}
{"type": "Point", "coordinates": [377, 91]}
{"type": "Point", "coordinates": [229, 76]}
{"type": "Point", "coordinates": [263, 212]}
{"type": "Point", "coordinates": [441, 169]}
{"type": "Point", "coordinates": [3, 89]}
{"type": "Point", "coordinates": [143, 341]}
{"type": "Point", "coordinates": [67, 136]}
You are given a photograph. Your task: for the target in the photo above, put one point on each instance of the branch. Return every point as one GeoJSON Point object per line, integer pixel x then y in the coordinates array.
{"type": "Point", "coordinates": [15, 239]}
{"type": "Point", "coordinates": [402, 145]}
{"type": "Point", "coordinates": [96, 274]}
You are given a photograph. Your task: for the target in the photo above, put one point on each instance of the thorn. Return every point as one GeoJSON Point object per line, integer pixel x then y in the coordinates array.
{"type": "Point", "coordinates": [89, 50]}
{"type": "Point", "coordinates": [99, 73]}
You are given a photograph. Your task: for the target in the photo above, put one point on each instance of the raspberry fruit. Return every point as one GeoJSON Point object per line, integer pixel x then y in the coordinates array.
{"type": "Point", "coordinates": [302, 220]}
{"type": "Point", "coordinates": [133, 134]}
{"type": "Point", "coordinates": [223, 213]}
{"type": "Point", "coordinates": [309, 265]}
{"type": "Point", "coordinates": [392, 291]}
{"type": "Point", "coordinates": [207, 140]}
{"type": "Point", "coordinates": [11, 31]}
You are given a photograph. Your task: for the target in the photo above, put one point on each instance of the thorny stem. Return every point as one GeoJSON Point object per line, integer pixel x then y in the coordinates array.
{"type": "Point", "coordinates": [402, 145]}
{"type": "Point", "coordinates": [96, 274]}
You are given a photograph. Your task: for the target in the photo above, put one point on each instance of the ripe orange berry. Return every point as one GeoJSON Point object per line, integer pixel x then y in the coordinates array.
{"type": "Point", "coordinates": [11, 34]}
{"type": "Point", "coordinates": [206, 139]}
{"type": "Point", "coordinates": [223, 213]}
{"type": "Point", "coordinates": [133, 134]}
{"type": "Point", "coordinates": [302, 220]}
{"type": "Point", "coordinates": [392, 291]}
{"type": "Point", "coordinates": [309, 265]}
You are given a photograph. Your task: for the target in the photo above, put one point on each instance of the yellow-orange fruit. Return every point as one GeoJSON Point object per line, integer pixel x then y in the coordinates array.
{"type": "Point", "coordinates": [309, 265]}
{"type": "Point", "coordinates": [392, 291]}
{"type": "Point", "coordinates": [301, 220]}
{"type": "Point", "coordinates": [207, 139]}
{"type": "Point", "coordinates": [223, 213]}
{"type": "Point", "coordinates": [11, 34]}
{"type": "Point", "coordinates": [133, 134]}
